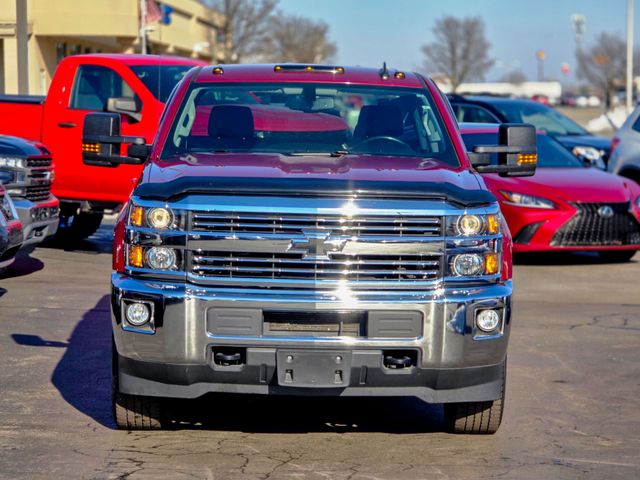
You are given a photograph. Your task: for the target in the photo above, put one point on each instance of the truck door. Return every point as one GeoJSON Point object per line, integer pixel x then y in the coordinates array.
{"type": "Point", "coordinates": [92, 86]}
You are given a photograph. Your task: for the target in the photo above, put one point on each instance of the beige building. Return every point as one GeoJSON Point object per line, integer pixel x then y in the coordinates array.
{"type": "Point", "coordinates": [57, 28]}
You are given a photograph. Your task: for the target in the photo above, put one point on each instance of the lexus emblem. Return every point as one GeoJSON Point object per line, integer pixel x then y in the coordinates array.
{"type": "Point", "coordinates": [316, 245]}
{"type": "Point", "coordinates": [605, 211]}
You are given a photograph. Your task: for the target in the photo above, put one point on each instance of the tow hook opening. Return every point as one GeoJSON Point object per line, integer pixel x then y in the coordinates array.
{"type": "Point", "coordinates": [399, 359]}
{"type": "Point", "coordinates": [229, 356]}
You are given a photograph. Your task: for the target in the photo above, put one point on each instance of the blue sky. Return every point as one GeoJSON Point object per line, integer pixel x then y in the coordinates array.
{"type": "Point", "coordinates": [370, 31]}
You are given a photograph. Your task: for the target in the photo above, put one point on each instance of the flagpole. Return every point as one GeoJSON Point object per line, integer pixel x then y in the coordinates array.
{"type": "Point", "coordinates": [143, 26]}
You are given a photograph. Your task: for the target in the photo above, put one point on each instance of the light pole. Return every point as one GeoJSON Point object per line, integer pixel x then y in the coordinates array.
{"type": "Point", "coordinates": [540, 55]}
{"type": "Point", "coordinates": [629, 56]}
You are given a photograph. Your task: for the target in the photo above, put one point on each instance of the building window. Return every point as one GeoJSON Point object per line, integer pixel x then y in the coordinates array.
{"type": "Point", "coordinates": [61, 51]}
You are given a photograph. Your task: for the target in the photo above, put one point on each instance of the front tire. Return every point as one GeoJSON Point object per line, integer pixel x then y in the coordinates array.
{"type": "Point", "coordinates": [480, 418]}
{"type": "Point", "coordinates": [617, 256]}
{"type": "Point", "coordinates": [134, 412]}
{"type": "Point", "coordinates": [78, 226]}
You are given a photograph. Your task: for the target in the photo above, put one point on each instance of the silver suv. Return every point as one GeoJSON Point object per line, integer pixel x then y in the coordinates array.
{"type": "Point", "coordinates": [625, 148]}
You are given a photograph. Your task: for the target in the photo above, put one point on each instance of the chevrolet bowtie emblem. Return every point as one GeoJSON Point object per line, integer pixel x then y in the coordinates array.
{"type": "Point", "coordinates": [316, 245]}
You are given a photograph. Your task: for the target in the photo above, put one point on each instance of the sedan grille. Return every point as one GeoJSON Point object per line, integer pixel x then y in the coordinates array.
{"type": "Point", "coordinates": [599, 224]}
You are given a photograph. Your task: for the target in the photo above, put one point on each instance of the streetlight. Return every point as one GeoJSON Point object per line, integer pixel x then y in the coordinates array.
{"type": "Point", "coordinates": [540, 55]}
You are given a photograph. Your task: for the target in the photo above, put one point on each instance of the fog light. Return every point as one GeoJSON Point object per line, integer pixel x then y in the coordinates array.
{"type": "Point", "coordinates": [138, 313]}
{"type": "Point", "coordinates": [467, 264]}
{"type": "Point", "coordinates": [161, 258]}
{"type": "Point", "coordinates": [487, 320]}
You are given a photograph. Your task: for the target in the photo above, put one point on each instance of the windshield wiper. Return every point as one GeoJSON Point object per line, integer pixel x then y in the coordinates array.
{"type": "Point", "coordinates": [337, 153]}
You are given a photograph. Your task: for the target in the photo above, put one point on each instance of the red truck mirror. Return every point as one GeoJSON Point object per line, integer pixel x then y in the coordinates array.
{"type": "Point", "coordinates": [517, 152]}
{"type": "Point", "coordinates": [126, 106]}
{"type": "Point", "coordinates": [101, 142]}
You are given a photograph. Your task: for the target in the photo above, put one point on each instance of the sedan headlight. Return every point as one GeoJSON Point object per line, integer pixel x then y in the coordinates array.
{"type": "Point", "coordinates": [523, 200]}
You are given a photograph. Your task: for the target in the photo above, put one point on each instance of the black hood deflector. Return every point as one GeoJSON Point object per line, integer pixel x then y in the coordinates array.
{"type": "Point", "coordinates": [313, 187]}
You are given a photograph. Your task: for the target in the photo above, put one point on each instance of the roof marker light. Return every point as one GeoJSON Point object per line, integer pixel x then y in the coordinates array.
{"type": "Point", "coordinates": [218, 70]}
{"type": "Point", "coordinates": [399, 75]}
{"type": "Point", "coordinates": [308, 68]}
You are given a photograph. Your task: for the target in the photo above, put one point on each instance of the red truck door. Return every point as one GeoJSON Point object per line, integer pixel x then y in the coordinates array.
{"type": "Point", "coordinates": [92, 86]}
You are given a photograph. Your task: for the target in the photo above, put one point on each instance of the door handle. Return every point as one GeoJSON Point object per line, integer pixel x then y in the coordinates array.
{"type": "Point", "coordinates": [67, 125]}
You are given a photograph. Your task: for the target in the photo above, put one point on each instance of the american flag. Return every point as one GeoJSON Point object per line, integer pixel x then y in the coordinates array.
{"type": "Point", "coordinates": [152, 11]}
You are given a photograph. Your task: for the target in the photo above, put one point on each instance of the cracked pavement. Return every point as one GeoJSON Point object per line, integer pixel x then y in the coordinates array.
{"type": "Point", "coordinates": [571, 411]}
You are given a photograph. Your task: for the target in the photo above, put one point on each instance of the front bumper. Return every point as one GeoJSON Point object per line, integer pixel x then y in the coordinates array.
{"type": "Point", "coordinates": [535, 230]}
{"type": "Point", "coordinates": [39, 220]}
{"type": "Point", "coordinates": [453, 360]}
{"type": "Point", "coordinates": [10, 242]}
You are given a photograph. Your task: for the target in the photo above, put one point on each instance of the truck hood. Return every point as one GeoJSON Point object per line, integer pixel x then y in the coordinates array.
{"type": "Point", "coordinates": [241, 173]}
{"type": "Point", "coordinates": [568, 185]}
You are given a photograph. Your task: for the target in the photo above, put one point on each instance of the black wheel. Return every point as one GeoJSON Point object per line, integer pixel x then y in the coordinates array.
{"type": "Point", "coordinates": [78, 226]}
{"type": "Point", "coordinates": [134, 412]}
{"type": "Point", "coordinates": [481, 418]}
{"type": "Point", "coordinates": [617, 256]}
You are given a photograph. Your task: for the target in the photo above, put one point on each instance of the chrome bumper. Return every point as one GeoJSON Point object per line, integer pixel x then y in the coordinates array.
{"type": "Point", "coordinates": [455, 361]}
{"type": "Point", "coordinates": [39, 220]}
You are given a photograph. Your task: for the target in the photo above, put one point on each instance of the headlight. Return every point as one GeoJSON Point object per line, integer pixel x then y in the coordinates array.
{"type": "Point", "coordinates": [12, 162]}
{"type": "Point", "coordinates": [588, 153]}
{"type": "Point", "coordinates": [474, 224]}
{"type": "Point", "coordinates": [161, 258]}
{"type": "Point", "coordinates": [161, 218]}
{"type": "Point", "coordinates": [638, 202]}
{"type": "Point", "coordinates": [156, 258]}
{"type": "Point", "coordinates": [523, 200]}
{"type": "Point", "coordinates": [467, 265]}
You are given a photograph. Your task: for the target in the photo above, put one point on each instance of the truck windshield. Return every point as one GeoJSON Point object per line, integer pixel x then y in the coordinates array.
{"type": "Point", "coordinates": [309, 119]}
{"type": "Point", "coordinates": [160, 79]}
{"type": "Point", "coordinates": [540, 116]}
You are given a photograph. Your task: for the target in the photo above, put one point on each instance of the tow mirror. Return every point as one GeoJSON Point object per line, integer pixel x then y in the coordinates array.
{"type": "Point", "coordinates": [126, 106]}
{"type": "Point", "coordinates": [517, 152]}
{"type": "Point", "coordinates": [102, 143]}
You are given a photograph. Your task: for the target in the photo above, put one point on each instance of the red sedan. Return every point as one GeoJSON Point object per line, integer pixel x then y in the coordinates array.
{"type": "Point", "coordinates": [564, 206]}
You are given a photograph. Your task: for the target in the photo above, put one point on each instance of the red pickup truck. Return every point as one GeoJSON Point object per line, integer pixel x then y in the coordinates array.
{"type": "Point", "coordinates": [310, 230]}
{"type": "Point", "coordinates": [136, 86]}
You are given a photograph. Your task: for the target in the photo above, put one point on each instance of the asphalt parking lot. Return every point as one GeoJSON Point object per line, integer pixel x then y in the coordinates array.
{"type": "Point", "coordinates": [572, 398]}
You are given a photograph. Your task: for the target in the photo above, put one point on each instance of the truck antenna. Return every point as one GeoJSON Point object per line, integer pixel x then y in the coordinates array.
{"type": "Point", "coordinates": [384, 73]}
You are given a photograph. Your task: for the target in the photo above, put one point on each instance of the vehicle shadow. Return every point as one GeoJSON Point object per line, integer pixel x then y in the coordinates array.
{"type": "Point", "coordinates": [83, 378]}
{"type": "Point", "coordinates": [83, 374]}
{"type": "Point", "coordinates": [288, 414]}
{"type": "Point", "coordinates": [99, 242]}
{"type": "Point", "coordinates": [23, 265]}
{"type": "Point", "coordinates": [563, 258]}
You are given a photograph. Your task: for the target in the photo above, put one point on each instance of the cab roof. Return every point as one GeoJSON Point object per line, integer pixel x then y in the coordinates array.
{"type": "Point", "coordinates": [311, 73]}
{"type": "Point", "coordinates": [138, 59]}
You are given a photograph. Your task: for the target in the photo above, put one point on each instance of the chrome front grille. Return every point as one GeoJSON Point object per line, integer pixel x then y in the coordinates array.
{"type": "Point", "coordinates": [38, 193]}
{"type": "Point", "coordinates": [291, 266]}
{"type": "Point", "coordinates": [261, 223]}
{"type": "Point", "coordinates": [265, 247]}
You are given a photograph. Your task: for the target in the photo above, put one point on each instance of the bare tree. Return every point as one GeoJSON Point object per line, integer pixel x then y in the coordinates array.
{"type": "Point", "coordinates": [460, 50]}
{"type": "Point", "coordinates": [245, 27]}
{"type": "Point", "coordinates": [604, 64]}
{"type": "Point", "coordinates": [516, 77]}
{"type": "Point", "coordinates": [297, 39]}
